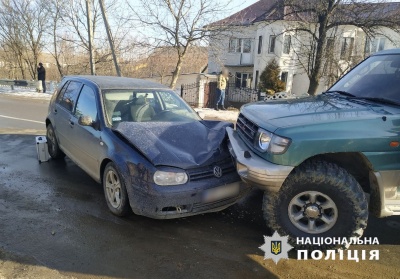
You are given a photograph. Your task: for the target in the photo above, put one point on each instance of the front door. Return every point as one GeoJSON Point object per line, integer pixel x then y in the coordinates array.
{"type": "Point", "coordinates": [86, 140]}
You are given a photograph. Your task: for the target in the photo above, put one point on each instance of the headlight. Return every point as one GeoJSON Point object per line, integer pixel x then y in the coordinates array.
{"type": "Point", "coordinates": [166, 178]}
{"type": "Point", "coordinates": [267, 141]}
{"type": "Point", "coordinates": [264, 139]}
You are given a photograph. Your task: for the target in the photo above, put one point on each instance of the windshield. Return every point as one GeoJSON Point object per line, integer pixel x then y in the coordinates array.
{"type": "Point", "coordinates": [378, 77]}
{"type": "Point", "coordinates": [146, 105]}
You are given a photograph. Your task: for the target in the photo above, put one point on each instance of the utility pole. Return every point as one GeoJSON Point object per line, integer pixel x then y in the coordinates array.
{"type": "Point", "coordinates": [90, 32]}
{"type": "Point", "coordinates": [109, 35]}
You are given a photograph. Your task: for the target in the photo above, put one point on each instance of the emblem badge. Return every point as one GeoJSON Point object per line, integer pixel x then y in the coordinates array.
{"type": "Point", "coordinates": [276, 247]}
{"type": "Point", "coordinates": [217, 171]}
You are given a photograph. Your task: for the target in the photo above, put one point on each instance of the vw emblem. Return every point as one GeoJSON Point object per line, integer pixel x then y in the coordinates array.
{"type": "Point", "coordinates": [217, 171]}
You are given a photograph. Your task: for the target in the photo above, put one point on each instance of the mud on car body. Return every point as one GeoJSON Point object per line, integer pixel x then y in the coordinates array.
{"type": "Point", "coordinates": [325, 162]}
{"type": "Point", "coordinates": [148, 148]}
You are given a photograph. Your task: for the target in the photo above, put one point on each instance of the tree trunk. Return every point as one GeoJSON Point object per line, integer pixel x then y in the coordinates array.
{"type": "Point", "coordinates": [176, 72]}
{"type": "Point", "coordinates": [90, 33]}
{"type": "Point", "coordinates": [109, 35]}
{"type": "Point", "coordinates": [316, 71]}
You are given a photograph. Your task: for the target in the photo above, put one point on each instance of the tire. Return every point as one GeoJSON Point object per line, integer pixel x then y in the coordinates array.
{"type": "Point", "coordinates": [318, 199]}
{"type": "Point", "coordinates": [52, 144]}
{"type": "Point", "coordinates": [115, 191]}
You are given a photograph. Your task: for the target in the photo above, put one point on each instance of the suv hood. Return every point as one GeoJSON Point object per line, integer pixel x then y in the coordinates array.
{"type": "Point", "coordinates": [272, 115]}
{"type": "Point", "coordinates": [178, 144]}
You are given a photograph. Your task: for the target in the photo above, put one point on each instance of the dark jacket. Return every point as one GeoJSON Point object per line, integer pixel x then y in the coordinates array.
{"type": "Point", "coordinates": [41, 73]}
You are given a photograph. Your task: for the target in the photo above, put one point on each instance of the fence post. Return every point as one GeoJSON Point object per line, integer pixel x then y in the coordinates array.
{"type": "Point", "coordinates": [182, 90]}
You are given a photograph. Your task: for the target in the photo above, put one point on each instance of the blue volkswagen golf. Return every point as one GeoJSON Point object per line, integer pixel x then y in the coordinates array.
{"type": "Point", "coordinates": [149, 149]}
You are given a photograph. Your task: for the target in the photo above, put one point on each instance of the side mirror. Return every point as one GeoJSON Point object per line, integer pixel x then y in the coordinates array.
{"type": "Point", "coordinates": [85, 120]}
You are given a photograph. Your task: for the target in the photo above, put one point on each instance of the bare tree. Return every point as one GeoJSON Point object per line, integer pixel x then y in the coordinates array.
{"type": "Point", "coordinates": [23, 23]}
{"type": "Point", "coordinates": [315, 22]}
{"type": "Point", "coordinates": [179, 24]}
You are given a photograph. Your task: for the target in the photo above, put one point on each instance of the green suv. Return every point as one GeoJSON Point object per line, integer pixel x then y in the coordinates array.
{"type": "Point", "coordinates": [326, 162]}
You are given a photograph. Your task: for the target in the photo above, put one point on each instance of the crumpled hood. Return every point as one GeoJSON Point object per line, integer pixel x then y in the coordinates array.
{"type": "Point", "coordinates": [177, 144]}
{"type": "Point", "coordinates": [307, 111]}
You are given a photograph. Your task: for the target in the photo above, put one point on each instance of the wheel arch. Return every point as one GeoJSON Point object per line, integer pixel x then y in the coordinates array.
{"type": "Point", "coordinates": [103, 165]}
{"type": "Point", "coordinates": [356, 163]}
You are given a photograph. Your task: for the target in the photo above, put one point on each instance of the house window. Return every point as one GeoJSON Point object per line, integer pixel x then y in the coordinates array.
{"type": "Point", "coordinates": [256, 81]}
{"type": "Point", "coordinates": [240, 45]}
{"type": "Point", "coordinates": [284, 77]}
{"type": "Point", "coordinates": [260, 38]}
{"type": "Point", "coordinates": [243, 80]}
{"type": "Point", "coordinates": [272, 40]}
{"type": "Point", "coordinates": [286, 44]}
{"type": "Point", "coordinates": [234, 45]}
{"type": "Point", "coordinates": [246, 46]}
{"type": "Point", "coordinates": [374, 45]}
{"type": "Point", "coordinates": [347, 48]}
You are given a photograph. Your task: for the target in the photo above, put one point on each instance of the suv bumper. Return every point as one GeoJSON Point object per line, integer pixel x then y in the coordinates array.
{"type": "Point", "coordinates": [256, 170]}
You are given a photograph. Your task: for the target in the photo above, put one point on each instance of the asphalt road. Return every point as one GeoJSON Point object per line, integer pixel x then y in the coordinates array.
{"type": "Point", "coordinates": [22, 115]}
{"type": "Point", "coordinates": [54, 223]}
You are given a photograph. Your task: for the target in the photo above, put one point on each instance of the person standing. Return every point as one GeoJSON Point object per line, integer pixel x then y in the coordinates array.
{"type": "Point", "coordinates": [42, 76]}
{"type": "Point", "coordinates": [222, 81]}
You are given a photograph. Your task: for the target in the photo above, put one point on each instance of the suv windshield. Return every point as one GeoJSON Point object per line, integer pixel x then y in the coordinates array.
{"type": "Point", "coordinates": [376, 78]}
{"type": "Point", "coordinates": [145, 105]}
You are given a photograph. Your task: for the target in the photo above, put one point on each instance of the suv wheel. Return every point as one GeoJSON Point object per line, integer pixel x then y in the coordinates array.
{"type": "Point", "coordinates": [319, 199]}
{"type": "Point", "coordinates": [52, 144]}
{"type": "Point", "coordinates": [115, 191]}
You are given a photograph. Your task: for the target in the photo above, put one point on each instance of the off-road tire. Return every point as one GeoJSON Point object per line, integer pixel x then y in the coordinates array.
{"type": "Point", "coordinates": [52, 144]}
{"type": "Point", "coordinates": [121, 205]}
{"type": "Point", "coordinates": [330, 180]}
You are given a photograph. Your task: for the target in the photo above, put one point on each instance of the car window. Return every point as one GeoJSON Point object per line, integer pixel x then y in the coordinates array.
{"type": "Point", "coordinates": [145, 105]}
{"type": "Point", "coordinates": [62, 91]}
{"type": "Point", "coordinates": [68, 99]}
{"type": "Point", "coordinates": [86, 105]}
{"type": "Point", "coordinates": [376, 77]}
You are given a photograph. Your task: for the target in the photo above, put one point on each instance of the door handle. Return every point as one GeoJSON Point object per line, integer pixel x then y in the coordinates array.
{"type": "Point", "coordinates": [55, 111]}
{"type": "Point", "coordinates": [71, 123]}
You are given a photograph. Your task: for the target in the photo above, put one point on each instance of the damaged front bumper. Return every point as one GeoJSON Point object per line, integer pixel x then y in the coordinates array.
{"type": "Point", "coordinates": [167, 202]}
{"type": "Point", "coordinates": [253, 169]}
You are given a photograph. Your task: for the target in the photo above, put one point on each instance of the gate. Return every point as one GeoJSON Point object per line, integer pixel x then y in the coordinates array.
{"type": "Point", "coordinates": [234, 96]}
{"type": "Point", "coordinates": [190, 93]}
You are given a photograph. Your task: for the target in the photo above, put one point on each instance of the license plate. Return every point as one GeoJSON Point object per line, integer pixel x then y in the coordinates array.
{"type": "Point", "coordinates": [221, 192]}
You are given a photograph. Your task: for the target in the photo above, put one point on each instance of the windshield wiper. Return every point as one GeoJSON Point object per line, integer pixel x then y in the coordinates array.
{"type": "Point", "coordinates": [341, 93]}
{"type": "Point", "coordinates": [377, 99]}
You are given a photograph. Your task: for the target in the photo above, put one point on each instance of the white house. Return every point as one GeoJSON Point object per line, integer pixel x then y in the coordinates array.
{"type": "Point", "coordinates": [262, 32]}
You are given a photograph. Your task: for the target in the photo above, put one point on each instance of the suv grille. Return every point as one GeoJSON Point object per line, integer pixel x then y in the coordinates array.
{"type": "Point", "coordinates": [246, 128]}
{"type": "Point", "coordinates": [227, 166]}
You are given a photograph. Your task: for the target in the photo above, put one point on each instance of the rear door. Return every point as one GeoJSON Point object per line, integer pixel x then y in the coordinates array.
{"type": "Point", "coordinates": [63, 111]}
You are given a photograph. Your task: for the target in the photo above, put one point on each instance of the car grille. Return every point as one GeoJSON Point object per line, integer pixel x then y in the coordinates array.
{"type": "Point", "coordinates": [227, 166]}
{"type": "Point", "coordinates": [246, 128]}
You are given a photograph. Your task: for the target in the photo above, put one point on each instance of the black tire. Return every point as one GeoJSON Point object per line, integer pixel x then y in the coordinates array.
{"type": "Point", "coordinates": [115, 191]}
{"type": "Point", "coordinates": [52, 144]}
{"type": "Point", "coordinates": [349, 208]}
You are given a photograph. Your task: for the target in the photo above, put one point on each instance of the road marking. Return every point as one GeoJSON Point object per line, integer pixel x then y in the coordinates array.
{"type": "Point", "coordinates": [22, 119]}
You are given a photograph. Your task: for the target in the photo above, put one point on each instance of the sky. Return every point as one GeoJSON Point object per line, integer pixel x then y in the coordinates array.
{"type": "Point", "coordinates": [237, 5]}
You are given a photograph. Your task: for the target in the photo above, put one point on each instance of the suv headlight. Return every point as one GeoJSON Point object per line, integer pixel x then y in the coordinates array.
{"type": "Point", "coordinates": [267, 141]}
{"type": "Point", "coordinates": [166, 178]}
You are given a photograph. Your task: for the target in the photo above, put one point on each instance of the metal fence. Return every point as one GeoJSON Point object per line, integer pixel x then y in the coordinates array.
{"type": "Point", "coordinates": [31, 84]}
{"type": "Point", "coordinates": [190, 93]}
{"type": "Point", "coordinates": [234, 96]}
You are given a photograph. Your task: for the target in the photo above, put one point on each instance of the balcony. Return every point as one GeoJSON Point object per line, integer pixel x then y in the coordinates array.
{"type": "Point", "coordinates": [238, 59]}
